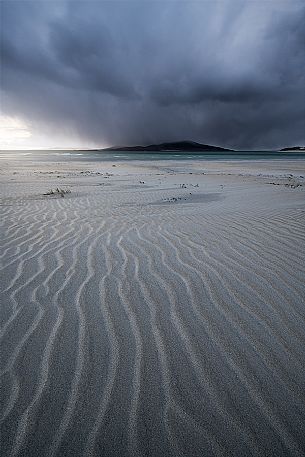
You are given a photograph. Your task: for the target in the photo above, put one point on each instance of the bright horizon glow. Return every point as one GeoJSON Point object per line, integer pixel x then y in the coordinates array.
{"type": "Point", "coordinates": [17, 134]}
{"type": "Point", "coordinates": [13, 132]}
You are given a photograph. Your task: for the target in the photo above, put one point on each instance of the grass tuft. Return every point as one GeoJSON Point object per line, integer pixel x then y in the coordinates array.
{"type": "Point", "coordinates": [58, 191]}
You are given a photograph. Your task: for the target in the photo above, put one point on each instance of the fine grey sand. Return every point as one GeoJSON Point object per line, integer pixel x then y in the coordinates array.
{"type": "Point", "coordinates": [156, 310]}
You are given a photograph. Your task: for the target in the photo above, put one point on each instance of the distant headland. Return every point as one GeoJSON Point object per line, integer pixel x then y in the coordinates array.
{"type": "Point", "coordinates": [293, 149]}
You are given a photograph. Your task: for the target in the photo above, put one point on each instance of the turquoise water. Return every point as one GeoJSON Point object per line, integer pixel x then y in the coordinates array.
{"type": "Point", "coordinates": [113, 156]}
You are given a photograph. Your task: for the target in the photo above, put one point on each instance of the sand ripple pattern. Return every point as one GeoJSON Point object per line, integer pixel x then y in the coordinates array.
{"type": "Point", "coordinates": [146, 331]}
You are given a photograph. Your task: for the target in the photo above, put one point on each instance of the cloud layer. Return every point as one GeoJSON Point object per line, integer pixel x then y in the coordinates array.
{"type": "Point", "coordinates": [225, 73]}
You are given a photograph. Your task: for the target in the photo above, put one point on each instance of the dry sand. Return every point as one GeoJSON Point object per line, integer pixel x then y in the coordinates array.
{"type": "Point", "coordinates": [143, 315]}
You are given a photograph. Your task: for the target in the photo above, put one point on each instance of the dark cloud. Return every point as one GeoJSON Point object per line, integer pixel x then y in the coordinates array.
{"type": "Point", "coordinates": [228, 73]}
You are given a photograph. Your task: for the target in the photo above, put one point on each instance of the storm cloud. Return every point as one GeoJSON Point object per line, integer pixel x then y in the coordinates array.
{"type": "Point", "coordinates": [229, 73]}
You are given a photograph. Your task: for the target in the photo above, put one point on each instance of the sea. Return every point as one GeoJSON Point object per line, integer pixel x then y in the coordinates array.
{"type": "Point", "coordinates": [117, 156]}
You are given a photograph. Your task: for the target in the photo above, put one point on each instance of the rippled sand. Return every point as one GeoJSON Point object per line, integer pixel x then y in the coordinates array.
{"type": "Point", "coordinates": [151, 318]}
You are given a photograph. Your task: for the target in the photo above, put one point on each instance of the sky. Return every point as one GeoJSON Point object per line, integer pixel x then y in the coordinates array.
{"type": "Point", "coordinates": [96, 74]}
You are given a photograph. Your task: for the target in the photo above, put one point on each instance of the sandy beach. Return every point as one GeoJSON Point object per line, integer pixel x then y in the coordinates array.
{"type": "Point", "coordinates": [157, 309]}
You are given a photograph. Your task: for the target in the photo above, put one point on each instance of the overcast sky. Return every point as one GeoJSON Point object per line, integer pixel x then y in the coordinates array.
{"type": "Point", "coordinates": [229, 73]}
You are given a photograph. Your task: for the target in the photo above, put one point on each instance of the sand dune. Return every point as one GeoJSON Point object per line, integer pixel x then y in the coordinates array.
{"type": "Point", "coordinates": [134, 325]}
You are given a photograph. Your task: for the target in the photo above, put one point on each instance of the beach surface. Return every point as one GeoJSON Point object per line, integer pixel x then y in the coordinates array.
{"type": "Point", "coordinates": [155, 309]}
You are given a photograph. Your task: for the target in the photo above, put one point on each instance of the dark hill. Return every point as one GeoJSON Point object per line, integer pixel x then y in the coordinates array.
{"type": "Point", "coordinates": [178, 146]}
